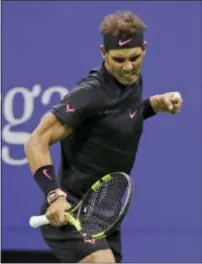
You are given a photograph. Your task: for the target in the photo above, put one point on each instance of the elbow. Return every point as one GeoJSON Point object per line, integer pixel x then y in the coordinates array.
{"type": "Point", "coordinates": [28, 145]}
{"type": "Point", "coordinates": [33, 143]}
{"type": "Point", "coordinates": [36, 143]}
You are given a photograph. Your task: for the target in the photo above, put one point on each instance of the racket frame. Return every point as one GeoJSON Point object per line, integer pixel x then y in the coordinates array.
{"type": "Point", "coordinates": [74, 220]}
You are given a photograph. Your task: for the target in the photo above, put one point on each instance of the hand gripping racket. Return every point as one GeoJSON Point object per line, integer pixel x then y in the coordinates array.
{"type": "Point", "coordinates": [102, 208]}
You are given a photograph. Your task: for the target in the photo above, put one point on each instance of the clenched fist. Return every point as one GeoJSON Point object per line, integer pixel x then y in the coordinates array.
{"type": "Point", "coordinates": [56, 210]}
{"type": "Point", "coordinates": [167, 103]}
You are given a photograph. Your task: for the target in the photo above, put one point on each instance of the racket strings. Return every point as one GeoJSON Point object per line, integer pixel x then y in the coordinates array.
{"type": "Point", "coordinates": [104, 205]}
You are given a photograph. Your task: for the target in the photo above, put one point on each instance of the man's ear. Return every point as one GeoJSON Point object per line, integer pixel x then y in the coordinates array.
{"type": "Point", "coordinates": [103, 51]}
{"type": "Point", "coordinates": [144, 47]}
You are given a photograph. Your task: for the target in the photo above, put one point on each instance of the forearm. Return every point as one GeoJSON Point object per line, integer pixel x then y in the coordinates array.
{"type": "Point", "coordinates": [37, 154]}
{"type": "Point", "coordinates": [37, 148]}
{"type": "Point", "coordinates": [40, 162]}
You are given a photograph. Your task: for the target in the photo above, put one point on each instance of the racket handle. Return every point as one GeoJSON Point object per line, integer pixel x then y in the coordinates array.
{"type": "Point", "coordinates": [37, 221]}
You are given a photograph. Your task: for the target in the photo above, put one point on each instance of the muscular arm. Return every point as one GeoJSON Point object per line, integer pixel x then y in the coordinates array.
{"type": "Point", "coordinates": [49, 131]}
{"type": "Point", "coordinates": [55, 126]}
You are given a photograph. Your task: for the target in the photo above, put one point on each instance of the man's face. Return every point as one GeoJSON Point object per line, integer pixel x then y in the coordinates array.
{"type": "Point", "coordinates": [124, 64]}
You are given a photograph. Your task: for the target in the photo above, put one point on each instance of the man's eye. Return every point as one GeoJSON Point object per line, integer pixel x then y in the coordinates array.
{"type": "Point", "coordinates": [134, 58]}
{"type": "Point", "coordinates": [119, 60]}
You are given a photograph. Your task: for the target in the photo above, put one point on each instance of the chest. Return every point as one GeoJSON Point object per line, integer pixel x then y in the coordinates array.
{"type": "Point", "coordinates": [118, 124]}
{"type": "Point", "coordinates": [121, 122]}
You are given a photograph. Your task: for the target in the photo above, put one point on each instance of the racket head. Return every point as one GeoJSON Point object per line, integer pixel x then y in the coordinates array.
{"type": "Point", "coordinates": [105, 205]}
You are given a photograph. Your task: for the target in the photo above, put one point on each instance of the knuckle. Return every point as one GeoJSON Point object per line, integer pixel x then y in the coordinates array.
{"type": "Point", "coordinates": [62, 219]}
{"type": "Point", "coordinates": [51, 213]}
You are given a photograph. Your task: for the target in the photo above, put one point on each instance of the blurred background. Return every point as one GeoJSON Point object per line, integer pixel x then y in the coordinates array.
{"type": "Point", "coordinates": [47, 46]}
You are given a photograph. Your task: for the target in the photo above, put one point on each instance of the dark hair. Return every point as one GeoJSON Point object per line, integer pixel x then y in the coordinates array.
{"type": "Point", "coordinates": [122, 23]}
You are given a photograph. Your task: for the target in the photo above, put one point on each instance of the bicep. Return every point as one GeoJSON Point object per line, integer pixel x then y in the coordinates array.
{"type": "Point", "coordinates": [51, 130]}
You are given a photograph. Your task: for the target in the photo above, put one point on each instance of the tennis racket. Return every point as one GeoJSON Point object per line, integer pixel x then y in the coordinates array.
{"type": "Point", "coordinates": [102, 208]}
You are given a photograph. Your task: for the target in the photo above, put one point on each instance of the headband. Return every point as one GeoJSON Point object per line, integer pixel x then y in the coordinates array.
{"type": "Point", "coordinates": [118, 42]}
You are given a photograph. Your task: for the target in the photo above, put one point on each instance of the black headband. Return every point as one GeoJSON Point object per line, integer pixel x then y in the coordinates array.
{"type": "Point", "coordinates": [118, 42]}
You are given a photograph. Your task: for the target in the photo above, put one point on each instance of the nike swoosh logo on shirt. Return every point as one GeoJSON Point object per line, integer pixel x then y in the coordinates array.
{"type": "Point", "coordinates": [132, 115]}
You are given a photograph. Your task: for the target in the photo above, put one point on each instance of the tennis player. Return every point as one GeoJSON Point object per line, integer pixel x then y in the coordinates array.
{"type": "Point", "coordinates": [99, 125]}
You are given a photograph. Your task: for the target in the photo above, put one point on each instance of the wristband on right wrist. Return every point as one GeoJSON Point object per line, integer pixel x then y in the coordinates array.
{"type": "Point", "coordinates": [45, 178]}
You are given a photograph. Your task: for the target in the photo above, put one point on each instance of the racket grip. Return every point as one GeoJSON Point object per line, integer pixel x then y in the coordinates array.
{"type": "Point", "coordinates": [37, 221]}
